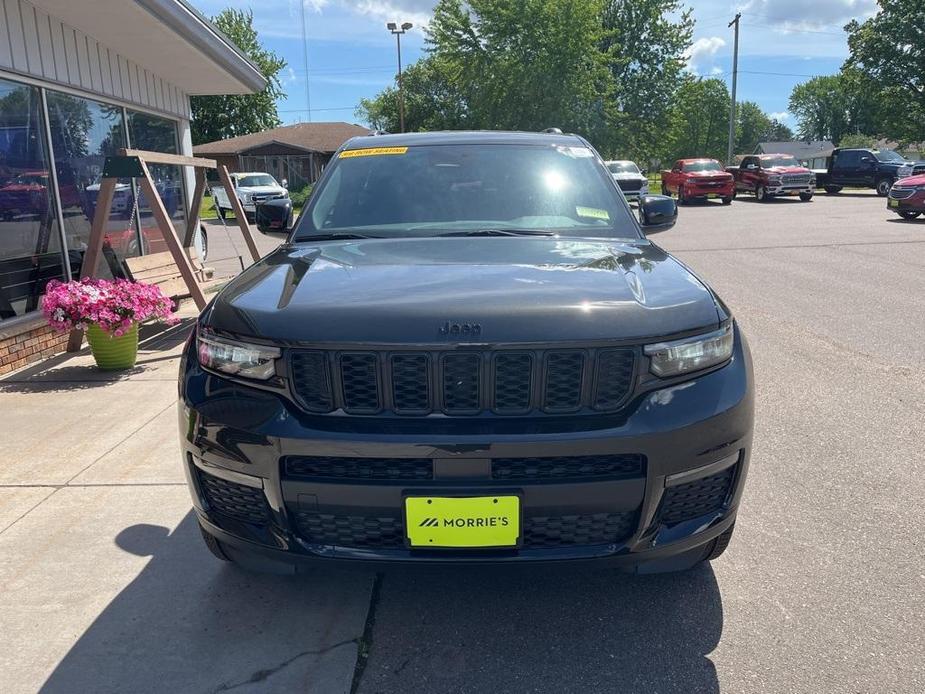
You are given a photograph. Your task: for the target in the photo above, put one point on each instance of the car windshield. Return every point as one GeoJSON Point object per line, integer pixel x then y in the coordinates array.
{"type": "Point", "coordinates": [702, 166]}
{"type": "Point", "coordinates": [257, 180]}
{"type": "Point", "coordinates": [487, 189]}
{"type": "Point", "coordinates": [622, 167]}
{"type": "Point", "coordinates": [889, 155]}
{"type": "Point", "coordinates": [773, 162]}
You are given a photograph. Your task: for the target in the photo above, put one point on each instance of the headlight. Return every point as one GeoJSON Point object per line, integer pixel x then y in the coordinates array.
{"type": "Point", "coordinates": [690, 354]}
{"type": "Point", "coordinates": [237, 358]}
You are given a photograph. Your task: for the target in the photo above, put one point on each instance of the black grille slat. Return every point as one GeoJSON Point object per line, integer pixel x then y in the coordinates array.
{"type": "Point", "coordinates": [568, 467]}
{"type": "Point", "coordinates": [359, 375]}
{"type": "Point", "coordinates": [363, 532]}
{"type": "Point", "coordinates": [462, 376]}
{"type": "Point", "coordinates": [697, 498]}
{"type": "Point", "coordinates": [311, 381]}
{"type": "Point", "coordinates": [410, 383]}
{"type": "Point", "coordinates": [331, 467]}
{"type": "Point", "coordinates": [615, 369]}
{"type": "Point", "coordinates": [566, 531]}
{"type": "Point", "coordinates": [387, 532]}
{"type": "Point", "coordinates": [562, 392]}
{"type": "Point", "coordinates": [234, 500]}
{"type": "Point", "coordinates": [513, 383]}
{"type": "Point", "coordinates": [506, 382]}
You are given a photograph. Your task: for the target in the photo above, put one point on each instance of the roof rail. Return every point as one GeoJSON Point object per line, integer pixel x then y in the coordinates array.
{"type": "Point", "coordinates": [553, 131]}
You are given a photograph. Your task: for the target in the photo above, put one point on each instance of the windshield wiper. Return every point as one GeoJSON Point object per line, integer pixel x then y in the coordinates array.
{"type": "Point", "coordinates": [337, 236]}
{"type": "Point", "coordinates": [498, 232]}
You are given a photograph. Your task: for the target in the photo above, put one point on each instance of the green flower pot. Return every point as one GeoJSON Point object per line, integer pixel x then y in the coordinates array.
{"type": "Point", "coordinates": [113, 353]}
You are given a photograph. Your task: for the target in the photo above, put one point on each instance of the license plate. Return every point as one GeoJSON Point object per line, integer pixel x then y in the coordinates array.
{"type": "Point", "coordinates": [712, 195]}
{"type": "Point", "coordinates": [894, 203]}
{"type": "Point", "coordinates": [473, 521]}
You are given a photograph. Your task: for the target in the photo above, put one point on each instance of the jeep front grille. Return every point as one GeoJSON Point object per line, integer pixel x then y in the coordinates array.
{"type": "Point", "coordinates": [462, 383]}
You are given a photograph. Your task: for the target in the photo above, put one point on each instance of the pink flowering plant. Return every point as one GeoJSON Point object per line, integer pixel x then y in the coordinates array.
{"type": "Point", "coordinates": [113, 305]}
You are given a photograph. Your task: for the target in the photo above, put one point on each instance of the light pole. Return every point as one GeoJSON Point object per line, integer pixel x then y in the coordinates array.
{"type": "Point", "coordinates": [393, 27]}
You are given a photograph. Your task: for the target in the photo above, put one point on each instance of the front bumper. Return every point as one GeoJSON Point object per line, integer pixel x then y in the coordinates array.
{"type": "Point", "coordinates": [693, 441]}
{"type": "Point", "coordinates": [913, 203]}
{"type": "Point", "coordinates": [695, 190]}
{"type": "Point", "coordinates": [791, 189]}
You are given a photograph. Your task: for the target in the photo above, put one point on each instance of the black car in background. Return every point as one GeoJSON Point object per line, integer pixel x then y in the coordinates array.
{"type": "Point", "coordinates": [866, 168]}
{"type": "Point", "coordinates": [468, 351]}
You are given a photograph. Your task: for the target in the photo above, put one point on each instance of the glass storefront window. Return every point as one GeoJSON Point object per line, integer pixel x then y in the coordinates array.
{"type": "Point", "coordinates": [30, 245]}
{"type": "Point", "coordinates": [83, 134]}
{"type": "Point", "coordinates": [159, 135]}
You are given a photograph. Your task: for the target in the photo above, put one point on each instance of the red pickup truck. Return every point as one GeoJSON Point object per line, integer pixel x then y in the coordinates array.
{"type": "Point", "coordinates": [698, 178]}
{"type": "Point", "coordinates": [770, 175]}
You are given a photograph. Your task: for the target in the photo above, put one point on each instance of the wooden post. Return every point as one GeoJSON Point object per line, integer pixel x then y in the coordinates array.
{"type": "Point", "coordinates": [239, 213]}
{"type": "Point", "coordinates": [95, 244]}
{"type": "Point", "coordinates": [171, 238]}
{"type": "Point", "coordinates": [195, 204]}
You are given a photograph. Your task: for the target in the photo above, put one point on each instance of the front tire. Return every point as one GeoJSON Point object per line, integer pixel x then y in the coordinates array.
{"type": "Point", "coordinates": [682, 196]}
{"type": "Point", "coordinates": [806, 197]}
{"type": "Point", "coordinates": [833, 190]}
{"type": "Point", "coordinates": [761, 195]}
{"type": "Point", "coordinates": [909, 214]}
{"type": "Point", "coordinates": [883, 186]}
{"type": "Point", "coordinates": [728, 200]}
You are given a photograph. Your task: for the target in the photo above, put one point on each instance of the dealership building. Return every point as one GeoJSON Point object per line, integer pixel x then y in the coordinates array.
{"type": "Point", "coordinates": [78, 82]}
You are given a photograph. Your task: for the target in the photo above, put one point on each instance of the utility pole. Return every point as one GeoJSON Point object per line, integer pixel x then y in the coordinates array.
{"type": "Point", "coordinates": [308, 98]}
{"type": "Point", "coordinates": [393, 27]}
{"type": "Point", "coordinates": [735, 74]}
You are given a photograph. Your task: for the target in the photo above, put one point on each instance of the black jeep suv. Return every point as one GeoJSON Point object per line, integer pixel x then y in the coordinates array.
{"type": "Point", "coordinates": [468, 351]}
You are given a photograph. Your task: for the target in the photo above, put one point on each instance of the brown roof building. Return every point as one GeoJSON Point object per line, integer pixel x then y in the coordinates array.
{"type": "Point", "coordinates": [297, 153]}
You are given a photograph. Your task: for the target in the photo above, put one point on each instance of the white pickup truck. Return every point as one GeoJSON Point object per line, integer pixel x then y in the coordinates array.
{"type": "Point", "coordinates": [252, 188]}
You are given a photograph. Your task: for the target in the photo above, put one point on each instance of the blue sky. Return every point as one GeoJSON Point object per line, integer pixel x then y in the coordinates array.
{"type": "Point", "coordinates": [351, 55]}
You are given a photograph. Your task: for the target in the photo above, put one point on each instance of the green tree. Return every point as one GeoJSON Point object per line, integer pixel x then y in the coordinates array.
{"type": "Point", "coordinates": [699, 120]}
{"type": "Point", "coordinates": [752, 126]}
{"type": "Point", "coordinates": [221, 117]}
{"type": "Point", "coordinates": [496, 64]}
{"type": "Point", "coordinates": [432, 101]}
{"type": "Point", "coordinates": [832, 106]}
{"type": "Point", "coordinates": [645, 41]}
{"type": "Point", "coordinates": [889, 50]}
{"type": "Point", "coordinates": [858, 141]}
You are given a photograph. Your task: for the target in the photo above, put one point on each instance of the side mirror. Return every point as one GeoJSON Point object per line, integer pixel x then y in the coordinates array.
{"type": "Point", "coordinates": [274, 218]}
{"type": "Point", "coordinates": [644, 172]}
{"type": "Point", "coordinates": [657, 213]}
{"type": "Point", "coordinates": [285, 184]}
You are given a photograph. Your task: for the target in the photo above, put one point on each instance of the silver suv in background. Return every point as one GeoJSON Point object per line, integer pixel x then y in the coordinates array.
{"type": "Point", "coordinates": [631, 180]}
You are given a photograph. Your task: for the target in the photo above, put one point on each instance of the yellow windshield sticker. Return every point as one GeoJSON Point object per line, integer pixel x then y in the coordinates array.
{"type": "Point", "coordinates": [372, 152]}
{"type": "Point", "coordinates": [593, 212]}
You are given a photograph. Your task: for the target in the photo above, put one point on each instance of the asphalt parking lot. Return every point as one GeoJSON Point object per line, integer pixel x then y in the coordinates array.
{"type": "Point", "coordinates": [105, 586]}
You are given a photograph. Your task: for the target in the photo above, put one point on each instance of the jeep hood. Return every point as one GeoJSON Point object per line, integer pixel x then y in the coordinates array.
{"type": "Point", "coordinates": [402, 291]}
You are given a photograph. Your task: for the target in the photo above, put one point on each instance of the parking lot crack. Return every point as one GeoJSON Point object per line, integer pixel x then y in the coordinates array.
{"type": "Point", "coordinates": [365, 643]}
{"type": "Point", "coordinates": [265, 674]}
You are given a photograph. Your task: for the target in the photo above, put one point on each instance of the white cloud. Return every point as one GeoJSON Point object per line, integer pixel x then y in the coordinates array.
{"type": "Point", "coordinates": [799, 14]}
{"type": "Point", "coordinates": [780, 116]}
{"type": "Point", "coordinates": [716, 70]}
{"type": "Point", "coordinates": [703, 50]}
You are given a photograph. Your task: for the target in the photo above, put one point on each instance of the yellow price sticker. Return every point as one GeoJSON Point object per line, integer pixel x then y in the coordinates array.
{"type": "Point", "coordinates": [372, 152]}
{"type": "Point", "coordinates": [593, 212]}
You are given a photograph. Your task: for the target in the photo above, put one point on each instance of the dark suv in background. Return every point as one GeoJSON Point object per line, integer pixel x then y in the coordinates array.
{"type": "Point", "coordinates": [468, 351]}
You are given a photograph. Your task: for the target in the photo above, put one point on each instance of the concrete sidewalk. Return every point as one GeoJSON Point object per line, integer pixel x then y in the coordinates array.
{"type": "Point", "coordinates": [105, 585]}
